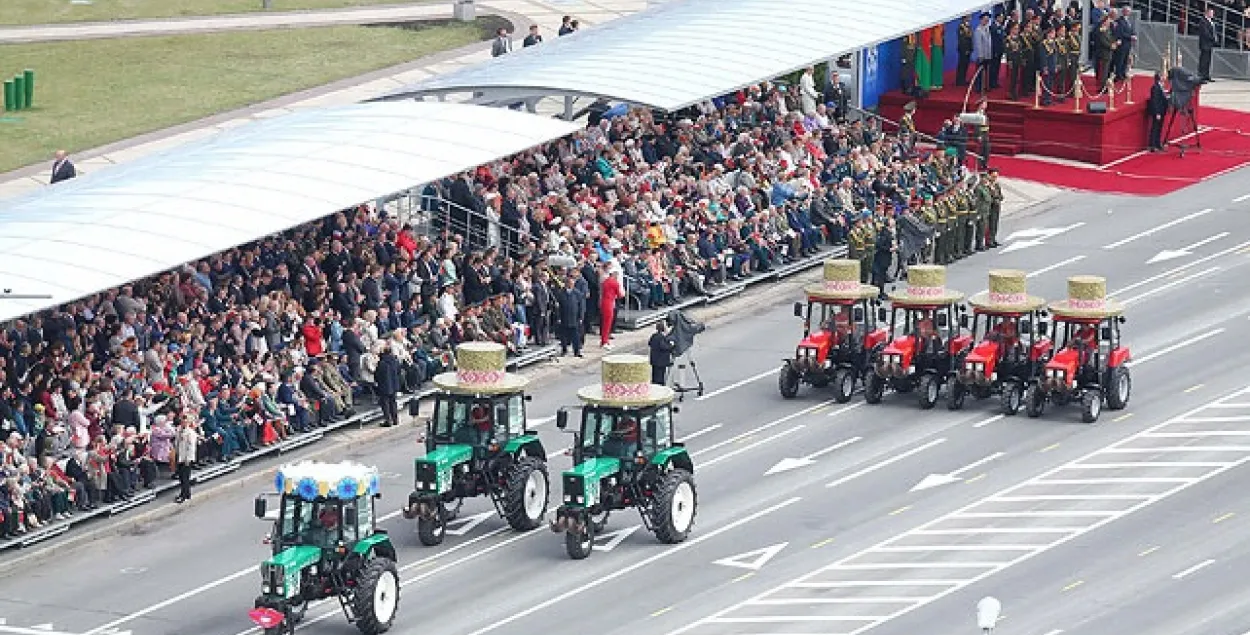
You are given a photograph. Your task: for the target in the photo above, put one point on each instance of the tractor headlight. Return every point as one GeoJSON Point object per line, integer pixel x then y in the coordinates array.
{"type": "Point", "coordinates": [894, 358]}
{"type": "Point", "coordinates": [272, 578]}
{"type": "Point", "coordinates": [568, 498]}
{"type": "Point", "coordinates": [579, 500]}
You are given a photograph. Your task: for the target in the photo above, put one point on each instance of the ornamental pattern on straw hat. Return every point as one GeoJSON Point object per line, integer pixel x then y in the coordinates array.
{"type": "Point", "coordinates": [1087, 298]}
{"type": "Point", "coordinates": [841, 282]}
{"type": "Point", "coordinates": [926, 285]}
{"type": "Point", "coordinates": [1008, 292]}
{"type": "Point", "coordinates": [625, 382]}
{"type": "Point", "coordinates": [481, 368]}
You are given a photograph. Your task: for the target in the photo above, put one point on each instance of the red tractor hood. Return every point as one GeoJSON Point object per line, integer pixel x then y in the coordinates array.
{"type": "Point", "coordinates": [1066, 360]}
{"type": "Point", "coordinates": [819, 339]}
{"type": "Point", "coordinates": [904, 347]}
{"type": "Point", "coordinates": [983, 353]}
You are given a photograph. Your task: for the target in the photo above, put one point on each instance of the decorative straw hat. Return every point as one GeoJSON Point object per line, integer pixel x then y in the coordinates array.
{"type": "Point", "coordinates": [1087, 298]}
{"type": "Point", "coordinates": [626, 383]}
{"type": "Point", "coordinates": [1008, 293]}
{"type": "Point", "coordinates": [926, 285]}
{"type": "Point", "coordinates": [841, 283]}
{"type": "Point", "coordinates": [481, 369]}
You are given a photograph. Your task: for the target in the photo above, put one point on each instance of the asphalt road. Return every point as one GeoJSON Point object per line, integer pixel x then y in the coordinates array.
{"type": "Point", "coordinates": [846, 523]}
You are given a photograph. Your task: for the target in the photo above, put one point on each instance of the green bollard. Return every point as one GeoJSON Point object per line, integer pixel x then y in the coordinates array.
{"type": "Point", "coordinates": [19, 92]}
{"type": "Point", "coordinates": [9, 99]}
{"type": "Point", "coordinates": [29, 76]}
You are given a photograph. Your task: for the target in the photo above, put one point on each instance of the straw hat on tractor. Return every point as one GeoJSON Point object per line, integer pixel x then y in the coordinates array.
{"type": "Point", "coordinates": [1087, 298]}
{"type": "Point", "coordinates": [481, 369]}
{"type": "Point", "coordinates": [1008, 293]}
{"type": "Point", "coordinates": [926, 286]}
{"type": "Point", "coordinates": [841, 283]}
{"type": "Point", "coordinates": [625, 383]}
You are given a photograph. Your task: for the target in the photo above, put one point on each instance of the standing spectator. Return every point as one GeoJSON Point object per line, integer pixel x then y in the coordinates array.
{"type": "Point", "coordinates": [807, 91]}
{"type": "Point", "coordinates": [1206, 44]}
{"type": "Point", "coordinates": [661, 353]}
{"type": "Point", "coordinates": [62, 168]}
{"type": "Point", "coordinates": [1126, 34]}
{"type": "Point", "coordinates": [533, 38]}
{"type": "Point", "coordinates": [1156, 108]}
{"type": "Point", "coordinates": [570, 310]}
{"type": "Point", "coordinates": [982, 47]}
{"type": "Point", "coordinates": [503, 43]}
{"type": "Point", "coordinates": [185, 445]}
{"type": "Point", "coordinates": [609, 293]}
{"type": "Point", "coordinates": [386, 380]}
{"type": "Point", "coordinates": [963, 47]}
{"type": "Point", "coordinates": [567, 25]}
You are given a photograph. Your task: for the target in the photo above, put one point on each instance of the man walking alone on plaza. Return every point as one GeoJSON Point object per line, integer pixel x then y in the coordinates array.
{"type": "Point", "coordinates": [185, 443]}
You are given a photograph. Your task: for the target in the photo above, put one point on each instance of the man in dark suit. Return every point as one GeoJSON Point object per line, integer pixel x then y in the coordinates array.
{"type": "Point", "coordinates": [62, 168]}
{"type": "Point", "coordinates": [1127, 36]}
{"type": "Point", "coordinates": [1206, 44]}
{"type": "Point", "coordinates": [1156, 107]}
{"type": "Point", "coordinates": [386, 377]}
{"type": "Point", "coordinates": [998, 47]}
{"type": "Point", "coordinates": [533, 38]}
{"type": "Point", "coordinates": [661, 348]}
{"type": "Point", "coordinates": [570, 310]}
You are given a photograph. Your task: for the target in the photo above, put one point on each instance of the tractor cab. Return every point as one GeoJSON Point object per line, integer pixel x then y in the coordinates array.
{"type": "Point", "coordinates": [840, 331]}
{"type": "Point", "coordinates": [325, 542]}
{"type": "Point", "coordinates": [1091, 362]}
{"type": "Point", "coordinates": [625, 454]}
{"type": "Point", "coordinates": [478, 443]}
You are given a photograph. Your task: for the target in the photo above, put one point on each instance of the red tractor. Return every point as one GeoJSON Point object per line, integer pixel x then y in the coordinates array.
{"type": "Point", "coordinates": [1010, 353]}
{"type": "Point", "coordinates": [838, 350]}
{"type": "Point", "coordinates": [1090, 366]}
{"type": "Point", "coordinates": [931, 345]}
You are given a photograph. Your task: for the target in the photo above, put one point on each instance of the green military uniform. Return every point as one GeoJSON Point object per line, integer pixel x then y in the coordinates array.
{"type": "Point", "coordinates": [1073, 61]}
{"type": "Point", "coordinates": [963, 229]}
{"type": "Point", "coordinates": [996, 207]}
{"type": "Point", "coordinates": [870, 249]}
{"type": "Point", "coordinates": [1031, 40]}
{"type": "Point", "coordinates": [929, 216]}
{"type": "Point", "coordinates": [1014, 48]}
{"type": "Point", "coordinates": [941, 247]}
{"type": "Point", "coordinates": [983, 203]}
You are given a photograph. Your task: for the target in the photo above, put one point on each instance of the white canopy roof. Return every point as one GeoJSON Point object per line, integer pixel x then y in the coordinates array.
{"type": "Point", "coordinates": [125, 223]}
{"type": "Point", "coordinates": [687, 51]}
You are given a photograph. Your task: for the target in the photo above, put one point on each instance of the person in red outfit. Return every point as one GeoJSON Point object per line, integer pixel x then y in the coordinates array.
{"type": "Point", "coordinates": [312, 337]}
{"type": "Point", "coordinates": [609, 293]}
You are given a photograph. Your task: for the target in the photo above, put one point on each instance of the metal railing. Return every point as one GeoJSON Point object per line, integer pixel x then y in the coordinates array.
{"type": "Point", "coordinates": [1230, 22]}
{"type": "Point", "coordinates": [441, 215]}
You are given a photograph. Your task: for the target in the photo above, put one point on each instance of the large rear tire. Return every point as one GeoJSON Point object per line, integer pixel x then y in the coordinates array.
{"type": "Point", "coordinates": [1119, 388]}
{"type": "Point", "coordinates": [528, 493]}
{"type": "Point", "coordinates": [929, 391]}
{"type": "Point", "coordinates": [377, 596]}
{"type": "Point", "coordinates": [788, 381]}
{"type": "Point", "coordinates": [579, 544]}
{"type": "Point", "coordinates": [432, 531]}
{"type": "Point", "coordinates": [874, 388]}
{"type": "Point", "coordinates": [843, 385]}
{"type": "Point", "coordinates": [676, 503]}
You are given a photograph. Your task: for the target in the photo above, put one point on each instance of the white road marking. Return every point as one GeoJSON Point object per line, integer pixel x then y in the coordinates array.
{"type": "Point", "coordinates": [846, 409]}
{"type": "Point", "coordinates": [462, 526]}
{"type": "Point", "coordinates": [1182, 448]}
{"type": "Point", "coordinates": [966, 572]}
{"type": "Point", "coordinates": [1169, 254]}
{"type": "Point", "coordinates": [978, 463]}
{"type": "Point", "coordinates": [1194, 569]}
{"type": "Point", "coordinates": [1241, 199]}
{"type": "Point", "coordinates": [787, 464]}
{"type": "Point", "coordinates": [737, 384]}
{"type": "Point", "coordinates": [890, 461]}
{"type": "Point", "coordinates": [938, 480]}
{"type": "Point", "coordinates": [753, 560]}
{"type": "Point", "coordinates": [614, 538]}
{"type": "Point", "coordinates": [35, 630]}
{"type": "Point", "coordinates": [1160, 464]}
{"type": "Point", "coordinates": [851, 585]}
{"type": "Point", "coordinates": [700, 432]}
{"type": "Point", "coordinates": [1049, 268]}
{"type": "Point", "coordinates": [1128, 480]}
{"type": "Point", "coordinates": [752, 446]}
{"type": "Point", "coordinates": [699, 539]}
{"type": "Point", "coordinates": [876, 599]}
{"type": "Point", "coordinates": [1170, 285]}
{"type": "Point", "coordinates": [982, 424]}
{"type": "Point", "coordinates": [1174, 347]}
{"type": "Point", "coordinates": [1201, 434]}
{"type": "Point", "coordinates": [1175, 270]}
{"type": "Point", "coordinates": [997, 530]}
{"type": "Point", "coordinates": [1216, 419]}
{"type": "Point", "coordinates": [758, 429]}
{"type": "Point", "coordinates": [1154, 230]}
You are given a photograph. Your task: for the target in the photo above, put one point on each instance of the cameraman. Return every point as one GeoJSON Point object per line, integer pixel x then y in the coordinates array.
{"type": "Point", "coordinates": [1156, 108]}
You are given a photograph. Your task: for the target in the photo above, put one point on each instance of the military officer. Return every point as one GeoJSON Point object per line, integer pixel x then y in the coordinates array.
{"type": "Point", "coordinates": [907, 125]}
{"type": "Point", "coordinates": [996, 207]}
{"type": "Point", "coordinates": [964, 214]}
{"type": "Point", "coordinates": [928, 216]}
{"type": "Point", "coordinates": [1048, 60]}
{"type": "Point", "coordinates": [1061, 64]}
{"type": "Point", "coordinates": [983, 202]}
{"type": "Point", "coordinates": [1015, 50]}
{"type": "Point", "coordinates": [1107, 45]}
{"type": "Point", "coordinates": [907, 68]}
{"type": "Point", "coordinates": [1032, 40]}
{"type": "Point", "coordinates": [1074, 55]}
{"type": "Point", "coordinates": [964, 49]}
{"type": "Point", "coordinates": [869, 246]}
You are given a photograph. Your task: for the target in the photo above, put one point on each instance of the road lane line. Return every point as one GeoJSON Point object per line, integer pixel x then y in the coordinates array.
{"type": "Point", "coordinates": [833, 448]}
{"type": "Point", "coordinates": [975, 464]}
{"type": "Point", "coordinates": [636, 566]}
{"type": "Point", "coordinates": [758, 429]}
{"type": "Point", "coordinates": [1242, 199]}
{"type": "Point", "coordinates": [846, 409]}
{"type": "Point", "coordinates": [700, 432]}
{"type": "Point", "coordinates": [1154, 230]}
{"type": "Point", "coordinates": [751, 446]}
{"type": "Point", "coordinates": [890, 461]}
{"type": "Point", "coordinates": [1175, 270]}
{"type": "Point", "coordinates": [737, 384]}
{"type": "Point", "coordinates": [1170, 285]}
{"type": "Point", "coordinates": [1175, 347]}
{"type": "Point", "coordinates": [1194, 569]}
{"type": "Point", "coordinates": [982, 424]}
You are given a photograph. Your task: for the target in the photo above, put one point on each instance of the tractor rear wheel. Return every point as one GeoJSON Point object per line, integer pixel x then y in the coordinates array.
{"type": "Point", "coordinates": [527, 494]}
{"type": "Point", "coordinates": [874, 388]}
{"type": "Point", "coordinates": [930, 391]}
{"type": "Point", "coordinates": [1034, 401]}
{"type": "Point", "coordinates": [843, 384]}
{"type": "Point", "coordinates": [956, 392]}
{"type": "Point", "coordinates": [377, 596]}
{"type": "Point", "coordinates": [433, 530]}
{"type": "Point", "coordinates": [1119, 388]}
{"type": "Point", "coordinates": [676, 502]}
{"type": "Point", "coordinates": [1091, 406]}
{"type": "Point", "coordinates": [579, 544]}
{"type": "Point", "coordinates": [788, 381]}
{"type": "Point", "coordinates": [1012, 398]}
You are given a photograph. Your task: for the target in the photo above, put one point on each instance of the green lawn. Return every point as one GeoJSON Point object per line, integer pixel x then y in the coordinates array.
{"type": "Point", "coordinates": [48, 11]}
{"type": "Point", "coordinates": [94, 92]}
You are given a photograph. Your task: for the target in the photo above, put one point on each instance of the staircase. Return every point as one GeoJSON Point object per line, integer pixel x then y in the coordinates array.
{"type": "Point", "coordinates": [1006, 118]}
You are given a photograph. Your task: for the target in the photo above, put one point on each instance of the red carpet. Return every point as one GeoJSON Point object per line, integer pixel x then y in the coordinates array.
{"type": "Point", "coordinates": [1225, 140]}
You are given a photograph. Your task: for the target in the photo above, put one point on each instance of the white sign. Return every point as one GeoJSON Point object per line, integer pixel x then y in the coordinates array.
{"type": "Point", "coordinates": [752, 560]}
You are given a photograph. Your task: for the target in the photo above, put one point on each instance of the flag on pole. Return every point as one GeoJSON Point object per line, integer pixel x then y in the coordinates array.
{"type": "Point", "coordinates": [924, 64]}
{"type": "Point", "coordinates": [937, 55]}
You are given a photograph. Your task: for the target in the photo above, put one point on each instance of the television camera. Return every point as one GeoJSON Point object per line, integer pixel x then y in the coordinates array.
{"type": "Point", "coordinates": [1181, 100]}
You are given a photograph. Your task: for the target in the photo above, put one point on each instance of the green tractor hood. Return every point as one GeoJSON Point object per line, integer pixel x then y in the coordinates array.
{"type": "Point", "coordinates": [581, 484]}
{"type": "Point", "coordinates": [291, 562]}
{"type": "Point", "coordinates": [434, 470]}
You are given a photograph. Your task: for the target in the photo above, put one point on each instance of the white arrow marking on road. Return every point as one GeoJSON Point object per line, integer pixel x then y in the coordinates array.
{"type": "Point", "coordinates": [1169, 254]}
{"type": "Point", "coordinates": [468, 523]}
{"type": "Point", "coordinates": [787, 464]}
{"type": "Point", "coordinates": [938, 480]}
{"type": "Point", "coordinates": [1035, 237]}
{"type": "Point", "coordinates": [614, 538]}
{"type": "Point", "coordinates": [1157, 229]}
{"type": "Point", "coordinates": [42, 627]}
{"type": "Point", "coordinates": [753, 560]}
{"type": "Point", "coordinates": [1241, 199]}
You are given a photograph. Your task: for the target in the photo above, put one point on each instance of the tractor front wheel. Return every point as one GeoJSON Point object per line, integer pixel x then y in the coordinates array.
{"type": "Point", "coordinates": [376, 597]}
{"type": "Point", "coordinates": [843, 384]}
{"type": "Point", "coordinates": [432, 529]}
{"type": "Point", "coordinates": [788, 380]}
{"type": "Point", "coordinates": [525, 500]}
{"type": "Point", "coordinates": [1091, 406]}
{"type": "Point", "coordinates": [930, 391]}
{"type": "Point", "coordinates": [874, 387]}
{"type": "Point", "coordinates": [676, 501]}
{"type": "Point", "coordinates": [1034, 401]}
{"type": "Point", "coordinates": [1119, 388]}
{"type": "Point", "coordinates": [1012, 398]}
{"type": "Point", "coordinates": [579, 543]}
{"type": "Point", "coordinates": [956, 392]}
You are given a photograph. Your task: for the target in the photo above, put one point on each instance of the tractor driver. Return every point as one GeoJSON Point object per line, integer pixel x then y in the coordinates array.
{"type": "Point", "coordinates": [1008, 338]}
{"type": "Point", "coordinates": [930, 341]}
{"type": "Point", "coordinates": [623, 439]}
{"type": "Point", "coordinates": [324, 530]}
{"type": "Point", "coordinates": [839, 324]}
{"type": "Point", "coordinates": [1084, 341]}
{"type": "Point", "coordinates": [476, 431]}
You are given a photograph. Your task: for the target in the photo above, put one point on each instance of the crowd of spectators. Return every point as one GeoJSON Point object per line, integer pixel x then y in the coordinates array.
{"type": "Point", "coordinates": [277, 337]}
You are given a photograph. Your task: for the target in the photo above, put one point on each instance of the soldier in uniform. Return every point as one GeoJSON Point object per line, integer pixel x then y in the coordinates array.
{"type": "Point", "coordinates": [1107, 45]}
{"type": "Point", "coordinates": [963, 212]}
{"type": "Point", "coordinates": [964, 48]}
{"type": "Point", "coordinates": [907, 65]}
{"type": "Point", "coordinates": [996, 207]}
{"type": "Point", "coordinates": [982, 202]}
{"type": "Point", "coordinates": [1015, 50]}
{"type": "Point", "coordinates": [942, 254]}
{"type": "Point", "coordinates": [1048, 58]}
{"type": "Point", "coordinates": [1074, 55]}
{"type": "Point", "coordinates": [869, 251]}
{"type": "Point", "coordinates": [1061, 64]}
{"type": "Point", "coordinates": [929, 216]}
{"type": "Point", "coordinates": [1032, 40]}
{"type": "Point", "coordinates": [907, 125]}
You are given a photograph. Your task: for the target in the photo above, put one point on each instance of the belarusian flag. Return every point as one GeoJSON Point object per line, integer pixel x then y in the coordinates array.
{"type": "Point", "coordinates": [937, 56]}
{"type": "Point", "coordinates": [923, 61]}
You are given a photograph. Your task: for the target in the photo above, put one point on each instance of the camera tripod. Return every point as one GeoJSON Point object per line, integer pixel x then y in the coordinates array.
{"type": "Point", "coordinates": [686, 369]}
{"type": "Point", "coordinates": [1189, 125]}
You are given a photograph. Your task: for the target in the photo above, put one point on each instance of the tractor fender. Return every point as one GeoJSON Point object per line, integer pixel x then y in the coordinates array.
{"type": "Point", "coordinates": [676, 457]}
{"type": "Point", "coordinates": [378, 544]}
{"type": "Point", "coordinates": [1119, 357]}
{"type": "Point", "coordinates": [528, 445]}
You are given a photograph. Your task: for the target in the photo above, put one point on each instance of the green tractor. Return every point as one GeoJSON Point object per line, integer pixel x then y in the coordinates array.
{"type": "Point", "coordinates": [478, 443]}
{"type": "Point", "coordinates": [625, 456]}
{"type": "Point", "coordinates": [326, 543]}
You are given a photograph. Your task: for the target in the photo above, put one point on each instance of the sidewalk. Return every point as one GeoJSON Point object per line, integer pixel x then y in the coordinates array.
{"type": "Point", "coordinates": [521, 13]}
